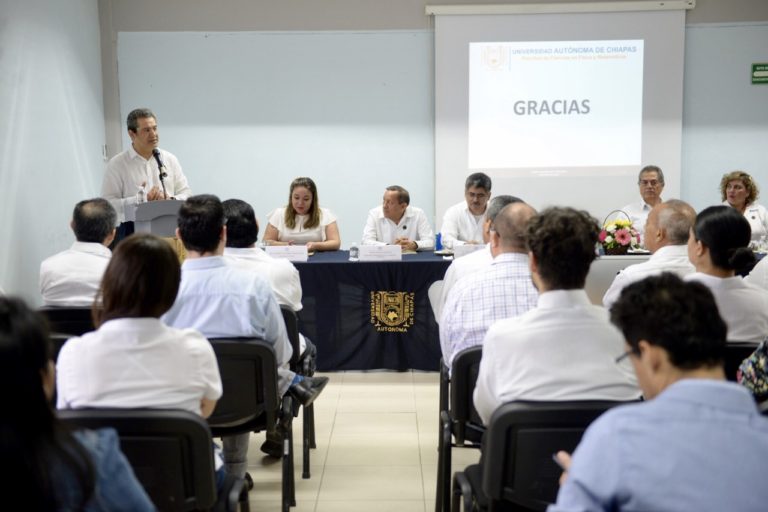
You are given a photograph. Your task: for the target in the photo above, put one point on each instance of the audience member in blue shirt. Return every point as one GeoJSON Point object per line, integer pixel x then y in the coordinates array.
{"type": "Point", "coordinates": [47, 466]}
{"type": "Point", "coordinates": [699, 443]}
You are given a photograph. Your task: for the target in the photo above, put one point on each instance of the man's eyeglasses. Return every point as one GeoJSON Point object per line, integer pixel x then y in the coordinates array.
{"type": "Point", "coordinates": [625, 355]}
{"type": "Point", "coordinates": [648, 183]}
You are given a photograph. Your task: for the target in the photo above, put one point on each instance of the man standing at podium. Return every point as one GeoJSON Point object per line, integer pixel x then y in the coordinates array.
{"type": "Point", "coordinates": [143, 172]}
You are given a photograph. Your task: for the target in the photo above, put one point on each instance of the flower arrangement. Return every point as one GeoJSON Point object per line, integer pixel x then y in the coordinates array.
{"type": "Point", "coordinates": [618, 236]}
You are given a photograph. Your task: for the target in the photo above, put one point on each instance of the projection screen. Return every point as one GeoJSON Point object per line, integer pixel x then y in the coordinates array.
{"type": "Point", "coordinates": [558, 108]}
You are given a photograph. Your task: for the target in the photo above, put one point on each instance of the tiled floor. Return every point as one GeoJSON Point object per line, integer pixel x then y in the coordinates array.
{"type": "Point", "coordinates": [376, 448]}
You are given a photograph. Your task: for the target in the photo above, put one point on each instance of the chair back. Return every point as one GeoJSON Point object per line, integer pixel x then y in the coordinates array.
{"type": "Point", "coordinates": [735, 353]}
{"type": "Point", "coordinates": [292, 328]}
{"type": "Point", "coordinates": [518, 447]}
{"type": "Point", "coordinates": [171, 452]}
{"type": "Point", "coordinates": [250, 398]}
{"type": "Point", "coordinates": [74, 321]}
{"type": "Point", "coordinates": [464, 370]}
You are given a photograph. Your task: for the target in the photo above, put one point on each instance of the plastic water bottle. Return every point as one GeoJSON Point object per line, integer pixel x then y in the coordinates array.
{"type": "Point", "coordinates": [354, 252]}
{"type": "Point", "coordinates": [141, 195]}
{"type": "Point", "coordinates": [439, 242]}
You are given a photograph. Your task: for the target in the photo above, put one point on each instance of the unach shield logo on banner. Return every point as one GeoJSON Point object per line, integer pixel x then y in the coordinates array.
{"type": "Point", "coordinates": [392, 311]}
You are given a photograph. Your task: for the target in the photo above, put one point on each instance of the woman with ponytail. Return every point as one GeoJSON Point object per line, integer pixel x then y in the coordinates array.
{"type": "Point", "coordinates": [718, 248]}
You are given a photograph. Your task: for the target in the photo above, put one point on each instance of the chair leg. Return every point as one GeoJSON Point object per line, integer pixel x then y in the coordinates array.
{"type": "Point", "coordinates": [305, 441]}
{"type": "Point", "coordinates": [311, 414]}
{"type": "Point", "coordinates": [442, 500]}
{"type": "Point", "coordinates": [461, 487]}
{"type": "Point", "coordinates": [289, 484]}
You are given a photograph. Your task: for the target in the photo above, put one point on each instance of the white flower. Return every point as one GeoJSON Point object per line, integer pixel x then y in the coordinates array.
{"type": "Point", "coordinates": [608, 239]}
{"type": "Point", "coordinates": [611, 228]}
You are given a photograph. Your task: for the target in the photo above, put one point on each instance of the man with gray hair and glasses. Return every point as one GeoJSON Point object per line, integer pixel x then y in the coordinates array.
{"type": "Point", "coordinates": [650, 180]}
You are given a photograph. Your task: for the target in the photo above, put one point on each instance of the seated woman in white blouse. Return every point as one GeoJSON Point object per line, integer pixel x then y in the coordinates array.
{"type": "Point", "coordinates": [739, 190]}
{"type": "Point", "coordinates": [303, 221]}
{"type": "Point", "coordinates": [717, 247]}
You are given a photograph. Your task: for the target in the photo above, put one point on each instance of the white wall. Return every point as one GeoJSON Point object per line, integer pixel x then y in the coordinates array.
{"type": "Point", "coordinates": [51, 130]}
{"type": "Point", "coordinates": [247, 112]}
{"type": "Point", "coordinates": [725, 117]}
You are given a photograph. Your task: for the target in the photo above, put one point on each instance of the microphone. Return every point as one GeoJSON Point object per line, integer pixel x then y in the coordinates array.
{"type": "Point", "coordinates": [160, 164]}
{"type": "Point", "coordinates": [161, 169]}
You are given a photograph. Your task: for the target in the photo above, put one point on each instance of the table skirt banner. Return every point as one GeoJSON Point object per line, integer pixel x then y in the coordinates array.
{"type": "Point", "coordinates": [371, 315]}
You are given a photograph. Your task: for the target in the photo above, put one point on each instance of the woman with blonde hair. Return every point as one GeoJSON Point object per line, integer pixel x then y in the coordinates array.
{"type": "Point", "coordinates": [303, 221]}
{"type": "Point", "coordinates": [739, 190]}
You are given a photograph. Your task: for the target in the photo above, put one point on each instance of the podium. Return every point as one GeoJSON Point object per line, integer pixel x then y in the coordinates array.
{"type": "Point", "coordinates": [157, 217]}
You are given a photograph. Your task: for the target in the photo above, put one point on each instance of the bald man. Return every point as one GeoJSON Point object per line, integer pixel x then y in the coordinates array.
{"type": "Point", "coordinates": [503, 289]}
{"type": "Point", "coordinates": [666, 236]}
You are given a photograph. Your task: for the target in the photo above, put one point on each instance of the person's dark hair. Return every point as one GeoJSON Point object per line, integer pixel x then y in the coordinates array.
{"type": "Point", "coordinates": [726, 233]}
{"type": "Point", "coordinates": [680, 317]}
{"type": "Point", "coordinates": [402, 195]}
{"type": "Point", "coordinates": [93, 220]}
{"type": "Point", "coordinates": [141, 280]}
{"type": "Point", "coordinates": [651, 168]}
{"type": "Point", "coordinates": [478, 180]}
{"type": "Point", "coordinates": [200, 220]}
{"type": "Point", "coordinates": [753, 191]}
{"type": "Point", "coordinates": [32, 441]}
{"type": "Point", "coordinates": [313, 215]}
{"type": "Point", "coordinates": [242, 229]}
{"type": "Point", "coordinates": [139, 113]}
{"type": "Point", "coordinates": [563, 240]}
{"type": "Point", "coordinates": [498, 203]}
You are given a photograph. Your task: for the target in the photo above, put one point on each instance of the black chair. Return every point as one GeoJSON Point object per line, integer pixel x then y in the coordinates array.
{"type": "Point", "coordinates": [74, 321]}
{"type": "Point", "coordinates": [170, 451]}
{"type": "Point", "coordinates": [302, 364]}
{"type": "Point", "coordinates": [460, 423]}
{"type": "Point", "coordinates": [516, 470]}
{"type": "Point", "coordinates": [58, 340]}
{"type": "Point", "coordinates": [735, 353]}
{"type": "Point", "coordinates": [251, 400]}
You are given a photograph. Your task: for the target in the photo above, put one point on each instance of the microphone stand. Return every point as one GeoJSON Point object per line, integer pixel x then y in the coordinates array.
{"type": "Point", "coordinates": [161, 170]}
{"type": "Point", "coordinates": [163, 174]}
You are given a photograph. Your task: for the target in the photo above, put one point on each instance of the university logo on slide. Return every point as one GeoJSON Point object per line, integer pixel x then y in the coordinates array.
{"type": "Point", "coordinates": [495, 56]}
{"type": "Point", "coordinates": [392, 311]}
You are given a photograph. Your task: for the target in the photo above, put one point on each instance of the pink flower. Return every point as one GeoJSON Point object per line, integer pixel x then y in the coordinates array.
{"type": "Point", "coordinates": [623, 237]}
{"type": "Point", "coordinates": [602, 235]}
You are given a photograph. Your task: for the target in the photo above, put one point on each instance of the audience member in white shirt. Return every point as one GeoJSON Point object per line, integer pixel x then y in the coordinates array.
{"type": "Point", "coordinates": [463, 222]}
{"type": "Point", "coordinates": [72, 277]}
{"type": "Point", "coordinates": [395, 222]}
{"type": "Point", "coordinates": [739, 190]}
{"type": "Point", "coordinates": [718, 248]}
{"type": "Point", "coordinates": [758, 276]}
{"type": "Point", "coordinates": [242, 233]}
{"type": "Point", "coordinates": [473, 261]}
{"type": "Point", "coordinates": [651, 183]}
{"type": "Point", "coordinates": [564, 348]}
{"type": "Point", "coordinates": [303, 221]}
{"type": "Point", "coordinates": [666, 236]}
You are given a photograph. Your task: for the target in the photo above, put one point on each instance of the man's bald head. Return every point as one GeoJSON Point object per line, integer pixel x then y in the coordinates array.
{"type": "Point", "coordinates": [510, 226]}
{"type": "Point", "coordinates": [669, 223]}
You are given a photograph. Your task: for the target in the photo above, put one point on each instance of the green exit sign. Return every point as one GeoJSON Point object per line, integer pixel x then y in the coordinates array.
{"type": "Point", "coordinates": [760, 73]}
